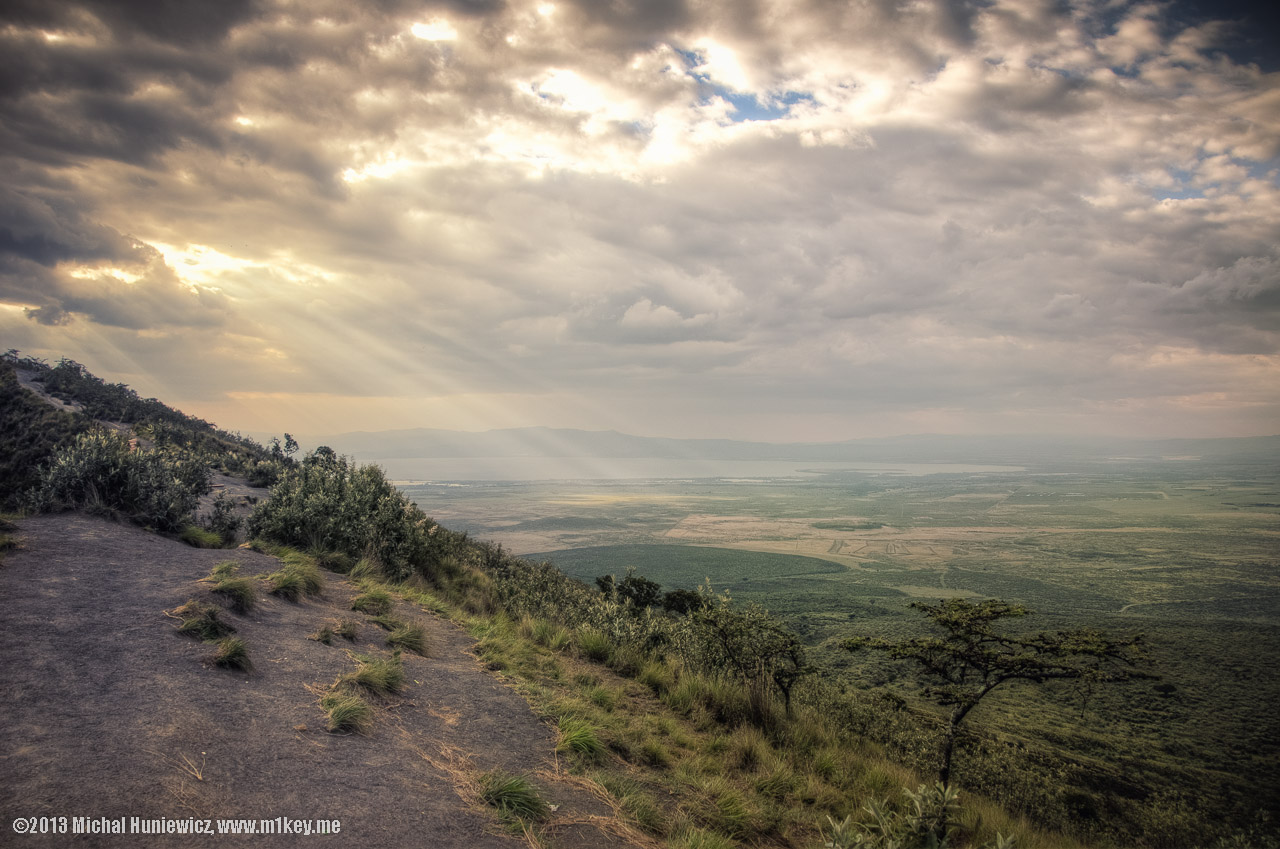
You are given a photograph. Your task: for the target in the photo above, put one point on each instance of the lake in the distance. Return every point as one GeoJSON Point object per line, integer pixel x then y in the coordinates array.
{"type": "Point", "coordinates": [424, 469]}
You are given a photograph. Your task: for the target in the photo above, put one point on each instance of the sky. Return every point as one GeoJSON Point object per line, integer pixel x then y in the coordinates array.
{"type": "Point", "coordinates": [779, 220]}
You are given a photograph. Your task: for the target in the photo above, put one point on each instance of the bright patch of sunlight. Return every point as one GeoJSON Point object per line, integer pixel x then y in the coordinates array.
{"type": "Point", "coordinates": [437, 30]}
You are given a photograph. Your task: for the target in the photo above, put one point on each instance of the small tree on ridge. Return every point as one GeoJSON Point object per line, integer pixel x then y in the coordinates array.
{"type": "Point", "coordinates": [972, 658]}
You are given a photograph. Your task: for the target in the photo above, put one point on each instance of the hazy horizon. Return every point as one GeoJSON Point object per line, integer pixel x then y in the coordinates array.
{"type": "Point", "coordinates": [784, 221]}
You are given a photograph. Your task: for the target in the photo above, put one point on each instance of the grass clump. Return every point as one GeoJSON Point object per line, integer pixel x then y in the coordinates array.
{"type": "Point", "coordinates": [225, 569]}
{"type": "Point", "coordinates": [346, 712]}
{"type": "Point", "coordinates": [513, 795]}
{"type": "Point", "coordinates": [202, 621]}
{"type": "Point", "coordinates": [550, 635]}
{"type": "Point", "coordinates": [242, 592]}
{"type": "Point", "coordinates": [636, 801]}
{"type": "Point", "coordinates": [594, 645]}
{"type": "Point", "coordinates": [199, 537]}
{"type": "Point", "coordinates": [286, 584]}
{"type": "Point", "coordinates": [578, 737]}
{"type": "Point", "coordinates": [232, 653]}
{"type": "Point", "coordinates": [657, 676]}
{"type": "Point", "coordinates": [347, 629]}
{"type": "Point", "coordinates": [696, 838]}
{"type": "Point", "coordinates": [296, 580]}
{"type": "Point", "coordinates": [605, 698]}
{"type": "Point", "coordinates": [365, 569]}
{"type": "Point", "coordinates": [375, 602]}
{"type": "Point", "coordinates": [324, 635]}
{"type": "Point", "coordinates": [409, 637]}
{"type": "Point", "coordinates": [387, 622]}
{"type": "Point", "coordinates": [380, 676]}
{"type": "Point", "coordinates": [334, 561]}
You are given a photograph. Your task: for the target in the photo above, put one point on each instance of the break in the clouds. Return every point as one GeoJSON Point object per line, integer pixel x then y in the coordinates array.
{"type": "Point", "coordinates": [775, 220]}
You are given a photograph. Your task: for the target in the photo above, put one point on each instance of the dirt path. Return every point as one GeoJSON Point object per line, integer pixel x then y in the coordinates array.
{"type": "Point", "coordinates": [111, 713]}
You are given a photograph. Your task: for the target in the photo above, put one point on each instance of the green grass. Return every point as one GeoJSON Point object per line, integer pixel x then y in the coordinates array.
{"type": "Point", "coordinates": [202, 621]}
{"type": "Point", "coordinates": [409, 637]}
{"type": "Point", "coordinates": [348, 629]}
{"type": "Point", "coordinates": [232, 653]}
{"type": "Point", "coordinates": [387, 622]}
{"type": "Point", "coordinates": [380, 676]}
{"type": "Point", "coordinates": [333, 561]}
{"type": "Point", "coordinates": [323, 635]}
{"type": "Point", "coordinates": [346, 712]}
{"type": "Point", "coordinates": [513, 795]}
{"type": "Point", "coordinates": [225, 569]}
{"type": "Point", "coordinates": [365, 569]}
{"type": "Point", "coordinates": [199, 537]}
{"type": "Point", "coordinates": [375, 602]}
{"type": "Point", "coordinates": [579, 738]}
{"type": "Point", "coordinates": [242, 592]}
{"type": "Point", "coordinates": [287, 584]}
{"type": "Point", "coordinates": [594, 645]}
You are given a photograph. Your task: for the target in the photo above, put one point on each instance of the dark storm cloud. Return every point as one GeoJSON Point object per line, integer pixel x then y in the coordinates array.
{"type": "Point", "coordinates": [170, 21]}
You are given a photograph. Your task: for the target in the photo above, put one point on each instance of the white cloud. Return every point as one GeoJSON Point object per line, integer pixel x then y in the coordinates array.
{"type": "Point", "coordinates": [934, 210]}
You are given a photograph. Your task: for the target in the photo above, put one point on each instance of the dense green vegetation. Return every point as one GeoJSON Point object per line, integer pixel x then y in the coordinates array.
{"type": "Point", "coordinates": [36, 430]}
{"type": "Point", "coordinates": [30, 432]}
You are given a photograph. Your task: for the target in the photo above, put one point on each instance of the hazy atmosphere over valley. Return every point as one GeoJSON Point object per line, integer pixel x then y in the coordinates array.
{"type": "Point", "coordinates": [768, 220]}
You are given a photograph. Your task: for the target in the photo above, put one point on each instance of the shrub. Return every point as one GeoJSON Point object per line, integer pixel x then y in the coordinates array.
{"type": "Point", "coordinates": [329, 502]}
{"type": "Point", "coordinates": [157, 488]}
{"type": "Point", "coordinates": [222, 519]}
{"type": "Point", "coordinates": [928, 821]}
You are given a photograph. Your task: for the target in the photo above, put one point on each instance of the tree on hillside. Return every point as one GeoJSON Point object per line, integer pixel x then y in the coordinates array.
{"type": "Point", "coordinates": [635, 588]}
{"type": "Point", "coordinates": [751, 645]}
{"type": "Point", "coordinates": [972, 658]}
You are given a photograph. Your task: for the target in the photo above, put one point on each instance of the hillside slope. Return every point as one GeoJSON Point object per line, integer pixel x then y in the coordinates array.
{"type": "Point", "coordinates": [112, 712]}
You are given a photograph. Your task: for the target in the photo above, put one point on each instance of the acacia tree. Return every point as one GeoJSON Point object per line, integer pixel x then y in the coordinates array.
{"type": "Point", "coordinates": [972, 658]}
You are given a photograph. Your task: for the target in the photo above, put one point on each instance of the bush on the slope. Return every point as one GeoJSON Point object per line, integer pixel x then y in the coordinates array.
{"type": "Point", "coordinates": [156, 488]}
{"type": "Point", "coordinates": [329, 503]}
{"type": "Point", "coordinates": [31, 431]}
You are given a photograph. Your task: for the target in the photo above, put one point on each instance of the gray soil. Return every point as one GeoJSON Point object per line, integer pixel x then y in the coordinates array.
{"type": "Point", "coordinates": [110, 712]}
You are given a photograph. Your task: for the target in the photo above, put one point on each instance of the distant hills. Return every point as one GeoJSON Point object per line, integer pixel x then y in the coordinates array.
{"type": "Point", "coordinates": [544, 442]}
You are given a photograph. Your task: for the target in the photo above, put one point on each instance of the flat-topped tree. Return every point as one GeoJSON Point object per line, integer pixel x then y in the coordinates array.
{"type": "Point", "coordinates": [972, 658]}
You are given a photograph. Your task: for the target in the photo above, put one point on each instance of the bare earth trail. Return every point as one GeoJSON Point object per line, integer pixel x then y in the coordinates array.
{"type": "Point", "coordinates": [110, 712]}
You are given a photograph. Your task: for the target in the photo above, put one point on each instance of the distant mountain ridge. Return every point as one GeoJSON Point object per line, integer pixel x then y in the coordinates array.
{"type": "Point", "coordinates": [548, 442]}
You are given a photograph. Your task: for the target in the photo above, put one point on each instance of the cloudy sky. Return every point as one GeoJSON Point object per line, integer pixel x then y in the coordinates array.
{"type": "Point", "coordinates": [767, 219]}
